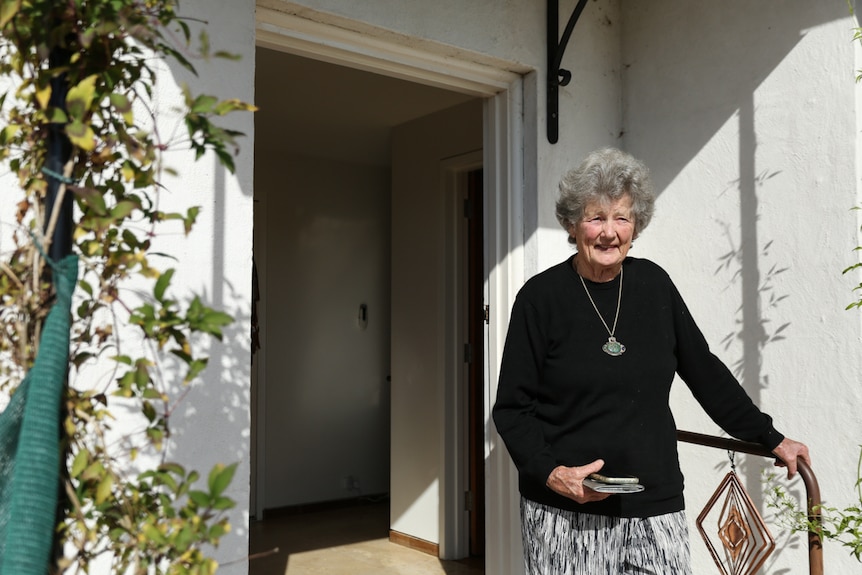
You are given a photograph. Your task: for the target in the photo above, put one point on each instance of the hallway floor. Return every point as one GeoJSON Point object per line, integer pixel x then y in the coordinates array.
{"type": "Point", "coordinates": [345, 541]}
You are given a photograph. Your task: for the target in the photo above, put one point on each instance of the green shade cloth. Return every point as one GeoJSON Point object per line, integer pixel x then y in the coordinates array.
{"type": "Point", "coordinates": [30, 443]}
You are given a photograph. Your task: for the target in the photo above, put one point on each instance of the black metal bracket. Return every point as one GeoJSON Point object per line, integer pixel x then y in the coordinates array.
{"type": "Point", "coordinates": [557, 76]}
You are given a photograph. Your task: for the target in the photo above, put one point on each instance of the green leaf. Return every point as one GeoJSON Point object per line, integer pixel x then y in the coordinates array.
{"type": "Point", "coordinates": [43, 95]}
{"type": "Point", "coordinates": [151, 393]}
{"type": "Point", "coordinates": [218, 530]}
{"type": "Point", "coordinates": [154, 535]}
{"type": "Point", "coordinates": [8, 133]}
{"type": "Point", "coordinates": [80, 98]}
{"type": "Point", "coordinates": [87, 37]}
{"type": "Point", "coordinates": [191, 218]}
{"type": "Point", "coordinates": [128, 170]}
{"type": "Point", "coordinates": [162, 284]}
{"type": "Point", "coordinates": [79, 463]}
{"type": "Point", "coordinates": [204, 39]}
{"type": "Point", "coordinates": [81, 135]}
{"type": "Point", "coordinates": [182, 354]}
{"type": "Point", "coordinates": [156, 436]}
{"type": "Point", "coordinates": [83, 309]}
{"type": "Point", "coordinates": [93, 471]}
{"type": "Point", "coordinates": [200, 498]}
{"type": "Point", "coordinates": [149, 411]}
{"type": "Point", "coordinates": [220, 477]}
{"type": "Point", "coordinates": [103, 491]}
{"type": "Point", "coordinates": [227, 55]}
{"type": "Point", "coordinates": [226, 160]}
{"type": "Point", "coordinates": [212, 322]}
{"type": "Point", "coordinates": [142, 376]}
{"type": "Point", "coordinates": [96, 202]}
{"type": "Point", "coordinates": [123, 209]}
{"type": "Point", "coordinates": [184, 538]}
{"type": "Point", "coordinates": [124, 383]}
{"type": "Point", "coordinates": [233, 105]}
{"type": "Point", "coordinates": [195, 368]}
{"type": "Point", "coordinates": [124, 106]}
{"type": "Point", "coordinates": [203, 104]}
{"type": "Point", "coordinates": [178, 56]}
{"type": "Point", "coordinates": [80, 358]}
{"type": "Point", "coordinates": [174, 468]}
{"type": "Point", "coordinates": [57, 116]}
{"type": "Point", "coordinates": [8, 10]}
{"type": "Point", "coordinates": [185, 30]}
{"type": "Point", "coordinates": [222, 503]}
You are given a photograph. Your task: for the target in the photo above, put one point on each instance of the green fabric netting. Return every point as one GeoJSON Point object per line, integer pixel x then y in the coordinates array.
{"type": "Point", "coordinates": [29, 443]}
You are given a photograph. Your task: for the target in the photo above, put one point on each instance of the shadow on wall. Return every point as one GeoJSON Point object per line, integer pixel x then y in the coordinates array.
{"type": "Point", "coordinates": [212, 420]}
{"type": "Point", "coordinates": [681, 87]}
{"type": "Point", "coordinates": [683, 83]}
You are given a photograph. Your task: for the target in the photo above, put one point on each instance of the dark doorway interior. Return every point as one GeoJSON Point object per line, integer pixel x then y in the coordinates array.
{"type": "Point", "coordinates": [476, 322]}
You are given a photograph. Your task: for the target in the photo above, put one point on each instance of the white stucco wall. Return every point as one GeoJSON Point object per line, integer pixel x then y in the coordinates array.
{"type": "Point", "coordinates": [506, 30]}
{"type": "Point", "coordinates": [212, 423]}
{"type": "Point", "coordinates": [748, 120]}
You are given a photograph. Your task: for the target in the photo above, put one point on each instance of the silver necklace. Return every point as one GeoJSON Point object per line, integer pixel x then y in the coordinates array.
{"type": "Point", "coordinates": [612, 346]}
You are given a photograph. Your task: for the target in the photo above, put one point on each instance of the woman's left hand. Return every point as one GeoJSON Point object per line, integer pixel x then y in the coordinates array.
{"type": "Point", "coordinates": [788, 451]}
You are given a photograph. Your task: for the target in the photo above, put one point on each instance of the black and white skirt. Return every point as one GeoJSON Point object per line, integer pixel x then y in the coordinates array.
{"type": "Point", "coordinates": [559, 542]}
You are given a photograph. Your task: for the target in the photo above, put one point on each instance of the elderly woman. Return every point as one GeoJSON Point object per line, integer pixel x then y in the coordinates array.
{"type": "Point", "coordinates": [592, 349]}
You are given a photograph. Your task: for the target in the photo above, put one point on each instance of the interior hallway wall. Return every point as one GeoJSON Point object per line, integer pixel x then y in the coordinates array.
{"type": "Point", "coordinates": [327, 395]}
{"type": "Point", "coordinates": [418, 280]}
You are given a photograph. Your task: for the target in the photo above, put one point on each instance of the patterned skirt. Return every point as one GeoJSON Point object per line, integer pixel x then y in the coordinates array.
{"type": "Point", "coordinates": [559, 542]}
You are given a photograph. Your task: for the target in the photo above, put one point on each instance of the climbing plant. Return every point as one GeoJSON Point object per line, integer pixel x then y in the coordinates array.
{"type": "Point", "coordinates": [841, 525]}
{"type": "Point", "coordinates": [858, 265]}
{"type": "Point", "coordinates": [86, 70]}
{"type": "Point", "coordinates": [857, 37]}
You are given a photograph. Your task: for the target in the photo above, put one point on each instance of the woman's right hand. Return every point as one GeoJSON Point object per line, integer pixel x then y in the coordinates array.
{"type": "Point", "coordinates": [569, 482]}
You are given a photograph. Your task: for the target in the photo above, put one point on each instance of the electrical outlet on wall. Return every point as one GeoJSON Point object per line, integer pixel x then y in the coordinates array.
{"type": "Point", "coordinates": [351, 483]}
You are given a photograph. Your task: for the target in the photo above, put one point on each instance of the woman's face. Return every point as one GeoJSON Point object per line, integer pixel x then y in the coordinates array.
{"type": "Point", "coordinates": [604, 235]}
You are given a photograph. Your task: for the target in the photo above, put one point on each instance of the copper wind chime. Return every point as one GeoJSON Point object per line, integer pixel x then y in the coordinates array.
{"type": "Point", "coordinates": [735, 533]}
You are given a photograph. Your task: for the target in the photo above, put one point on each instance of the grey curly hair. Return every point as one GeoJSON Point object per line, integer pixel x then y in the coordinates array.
{"type": "Point", "coordinates": [606, 175]}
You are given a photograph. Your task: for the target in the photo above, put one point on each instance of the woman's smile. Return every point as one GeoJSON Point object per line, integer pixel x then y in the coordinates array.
{"type": "Point", "coordinates": [603, 236]}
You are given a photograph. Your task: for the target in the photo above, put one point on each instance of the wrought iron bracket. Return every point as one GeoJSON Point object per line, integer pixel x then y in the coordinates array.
{"type": "Point", "coordinates": [557, 76]}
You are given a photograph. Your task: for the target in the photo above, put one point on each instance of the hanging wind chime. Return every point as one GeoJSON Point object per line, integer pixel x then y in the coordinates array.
{"type": "Point", "coordinates": [735, 533]}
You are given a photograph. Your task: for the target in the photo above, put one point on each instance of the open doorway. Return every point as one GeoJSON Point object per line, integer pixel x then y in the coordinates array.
{"type": "Point", "coordinates": [507, 89]}
{"type": "Point", "coordinates": [324, 229]}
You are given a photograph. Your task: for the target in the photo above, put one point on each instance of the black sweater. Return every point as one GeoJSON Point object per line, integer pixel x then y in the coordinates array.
{"type": "Point", "coordinates": [561, 400]}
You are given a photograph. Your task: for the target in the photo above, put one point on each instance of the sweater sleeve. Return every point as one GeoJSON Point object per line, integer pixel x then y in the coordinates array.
{"type": "Point", "coordinates": [714, 386]}
{"type": "Point", "coordinates": [515, 408]}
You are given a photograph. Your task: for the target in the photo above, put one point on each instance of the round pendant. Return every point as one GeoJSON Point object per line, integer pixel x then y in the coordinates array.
{"type": "Point", "coordinates": [613, 347]}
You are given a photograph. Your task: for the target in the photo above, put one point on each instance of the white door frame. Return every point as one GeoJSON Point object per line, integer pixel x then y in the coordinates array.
{"type": "Point", "coordinates": [332, 39]}
{"type": "Point", "coordinates": [504, 176]}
